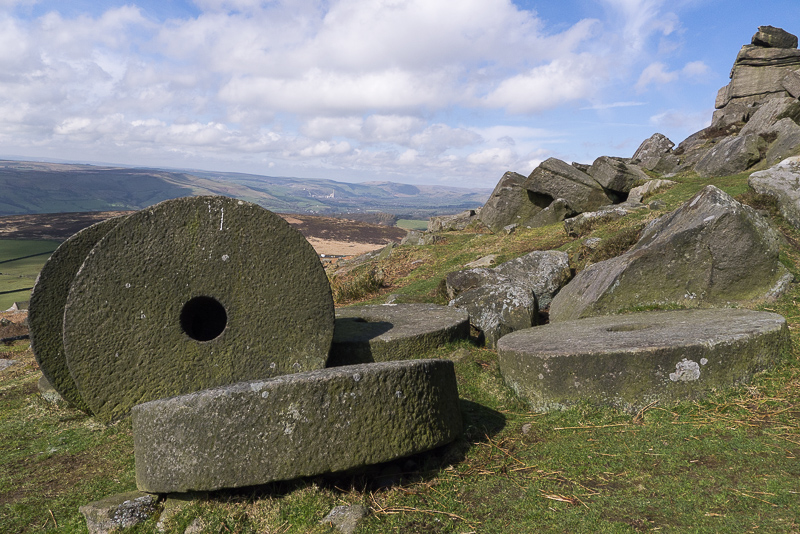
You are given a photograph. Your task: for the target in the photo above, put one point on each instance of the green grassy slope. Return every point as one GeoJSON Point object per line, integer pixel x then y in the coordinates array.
{"type": "Point", "coordinates": [729, 463]}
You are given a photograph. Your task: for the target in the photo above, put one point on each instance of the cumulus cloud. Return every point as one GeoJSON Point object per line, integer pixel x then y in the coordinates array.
{"type": "Point", "coordinates": [426, 85]}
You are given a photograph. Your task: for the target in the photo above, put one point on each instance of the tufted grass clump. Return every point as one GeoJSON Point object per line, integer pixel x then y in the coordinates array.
{"type": "Point", "coordinates": [357, 286]}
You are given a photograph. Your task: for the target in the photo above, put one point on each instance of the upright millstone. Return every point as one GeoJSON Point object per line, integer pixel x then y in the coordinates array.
{"type": "Point", "coordinates": [46, 310]}
{"type": "Point", "coordinates": [630, 361]}
{"type": "Point", "coordinates": [296, 425]}
{"type": "Point", "coordinates": [194, 293]}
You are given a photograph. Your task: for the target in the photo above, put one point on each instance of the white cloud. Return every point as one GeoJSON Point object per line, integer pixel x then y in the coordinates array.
{"type": "Point", "coordinates": [681, 120]}
{"type": "Point", "coordinates": [655, 73]}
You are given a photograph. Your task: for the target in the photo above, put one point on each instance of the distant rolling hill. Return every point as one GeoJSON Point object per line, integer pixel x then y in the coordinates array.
{"type": "Point", "coordinates": [35, 187]}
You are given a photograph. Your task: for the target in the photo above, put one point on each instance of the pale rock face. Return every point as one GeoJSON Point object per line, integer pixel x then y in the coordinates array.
{"type": "Point", "coordinates": [782, 182]}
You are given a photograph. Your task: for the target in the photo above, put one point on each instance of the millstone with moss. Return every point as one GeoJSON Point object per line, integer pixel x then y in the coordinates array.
{"type": "Point", "coordinates": [295, 425]}
{"type": "Point", "coordinates": [46, 311]}
{"type": "Point", "coordinates": [630, 361]}
{"type": "Point", "coordinates": [194, 293]}
{"type": "Point", "coordinates": [387, 332]}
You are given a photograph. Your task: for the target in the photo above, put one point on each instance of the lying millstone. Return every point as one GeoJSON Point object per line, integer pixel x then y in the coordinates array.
{"type": "Point", "coordinates": [385, 332]}
{"type": "Point", "coordinates": [46, 313]}
{"type": "Point", "coordinates": [118, 512]}
{"type": "Point", "coordinates": [782, 182]}
{"type": "Point", "coordinates": [712, 251]}
{"type": "Point", "coordinates": [295, 425]}
{"type": "Point", "coordinates": [630, 361]}
{"type": "Point", "coordinates": [194, 293]}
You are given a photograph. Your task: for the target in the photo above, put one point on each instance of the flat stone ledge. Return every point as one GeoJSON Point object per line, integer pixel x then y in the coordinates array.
{"type": "Point", "coordinates": [386, 332]}
{"type": "Point", "coordinates": [295, 425]}
{"type": "Point", "coordinates": [630, 361]}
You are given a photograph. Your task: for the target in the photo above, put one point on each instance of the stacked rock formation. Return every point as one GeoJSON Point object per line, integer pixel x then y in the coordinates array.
{"type": "Point", "coordinates": [217, 306]}
{"type": "Point", "coordinates": [757, 116]}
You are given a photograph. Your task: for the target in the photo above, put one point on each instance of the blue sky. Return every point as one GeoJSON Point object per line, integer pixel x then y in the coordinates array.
{"type": "Point", "coordinates": [415, 91]}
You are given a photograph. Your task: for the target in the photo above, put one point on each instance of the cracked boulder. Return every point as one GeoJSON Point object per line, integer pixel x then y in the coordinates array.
{"type": "Point", "coordinates": [712, 251]}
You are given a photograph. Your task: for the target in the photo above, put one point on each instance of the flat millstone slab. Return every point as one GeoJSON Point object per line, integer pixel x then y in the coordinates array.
{"type": "Point", "coordinates": [194, 293]}
{"type": "Point", "coordinates": [630, 361]}
{"type": "Point", "coordinates": [46, 309]}
{"type": "Point", "coordinates": [295, 425]}
{"type": "Point", "coordinates": [386, 332]}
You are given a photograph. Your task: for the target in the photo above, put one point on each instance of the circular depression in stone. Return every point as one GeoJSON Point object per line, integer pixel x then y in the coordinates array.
{"type": "Point", "coordinates": [144, 316]}
{"type": "Point", "coordinates": [46, 309]}
{"type": "Point", "coordinates": [385, 332]}
{"type": "Point", "coordinates": [630, 361]}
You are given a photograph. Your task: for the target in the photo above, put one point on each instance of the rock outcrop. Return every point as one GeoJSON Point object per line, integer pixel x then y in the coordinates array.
{"type": "Point", "coordinates": [782, 182]}
{"type": "Point", "coordinates": [763, 92]}
{"type": "Point", "coordinates": [508, 297]}
{"type": "Point", "coordinates": [711, 251]}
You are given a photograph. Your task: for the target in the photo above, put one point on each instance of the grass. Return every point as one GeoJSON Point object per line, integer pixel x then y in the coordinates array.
{"type": "Point", "coordinates": [728, 463]}
{"type": "Point", "coordinates": [412, 224]}
{"type": "Point", "coordinates": [20, 263]}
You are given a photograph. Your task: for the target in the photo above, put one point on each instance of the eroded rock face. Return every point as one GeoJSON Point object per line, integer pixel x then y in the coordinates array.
{"type": "Point", "coordinates": [782, 182]}
{"type": "Point", "coordinates": [295, 425]}
{"type": "Point", "coordinates": [772, 37]}
{"type": "Point", "coordinates": [511, 203]}
{"type": "Point", "coordinates": [458, 221]}
{"type": "Point", "coordinates": [711, 251]}
{"type": "Point", "coordinates": [554, 179]}
{"type": "Point", "coordinates": [616, 175]}
{"type": "Point", "coordinates": [732, 155]}
{"type": "Point", "coordinates": [508, 297]}
{"type": "Point", "coordinates": [120, 511]}
{"type": "Point", "coordinates": [655, 154]}
{"type": "Point", "coordinates": [629, 361]}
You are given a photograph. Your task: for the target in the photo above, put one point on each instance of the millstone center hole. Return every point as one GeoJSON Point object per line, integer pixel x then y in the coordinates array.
{"type": "Point", "coordinates": [627, 327]}
{"type": "Point", "coordinates": [203, 318]}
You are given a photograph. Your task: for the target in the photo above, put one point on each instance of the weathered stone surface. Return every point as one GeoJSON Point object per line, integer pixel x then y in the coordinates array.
{"type": "Point", "coordinates": [616, 175]}
{"type": "Point", "coordinates": [194, 293]}
{"type": "Point", "coordinates": [452, 222]}
{"type": "Point", "coordinates": [46, 313]}
{"type": "Point", "coordinates": [759, 71]}
{"type": "Point", "coordinates": [731, 155]}
{"type": "Point", "coordinates": [511, 203]}
{"type": "Point", "coordinates": [47, 391]}
{"type": "Point", "coordinates": [782, 182]}
{"type": "Point", "coordinates": [118, 511]}
{"type": "Point", "coordinates": [791, 82]}
{"type": "Point", "coordinates": [486, 261]}
{"type": "Point", "coordinates": [583, 223]}
{"type": "Point", "coordinates": [772, 37]}
{"type": "Point", "coordinates": [786, 143]}
{"type": "Point", "coordinates": [418, 239]}
{"type": "Point", "coordinates": [508, 297]}
{"type": "Point", "coordinates": [346, 518]}
{"type": "Point", "coordinates": [765, 116]}
{"type": "Point", "coordinates": [385, 332]}
{"type": "Point", "coordinates": [554, 179]}
{"type": "Point", "coordinates": [652, 151]}
{"type": "Point", "coordinates": [638, 194]}
{"type": "Point", "coordinates": [295, 425]}
{"type": "Point", "coordinates": [630, 361]}
{"type": "Point", "coordinates": [710, 251]}
{"type": "Point", "coordinates": [544, 272]}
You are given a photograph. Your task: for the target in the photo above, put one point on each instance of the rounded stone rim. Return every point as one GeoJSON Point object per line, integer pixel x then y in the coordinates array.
{"type": "Point", "coordinates": [48, 300]}
{"type": "Point", "coordinates": [122, 334]}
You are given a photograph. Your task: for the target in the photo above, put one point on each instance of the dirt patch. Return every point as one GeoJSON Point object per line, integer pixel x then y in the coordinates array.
{"type": "Point", "coordinates": [331, 247]}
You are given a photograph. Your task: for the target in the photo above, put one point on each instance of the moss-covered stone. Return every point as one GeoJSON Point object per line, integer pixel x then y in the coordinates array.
{"type": "Point", "coordinates": [295, 425]}
{"type": "Point", "coordinates": [194, 293]}
{"type": "Point", "coordinates": [46, 310]}
{"type": "Point", "coordinates": [386, 332]}
{"type": "Point", "coordinates": [632, 360]}
{"type": "Point", "coordinates": [712, 251]}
